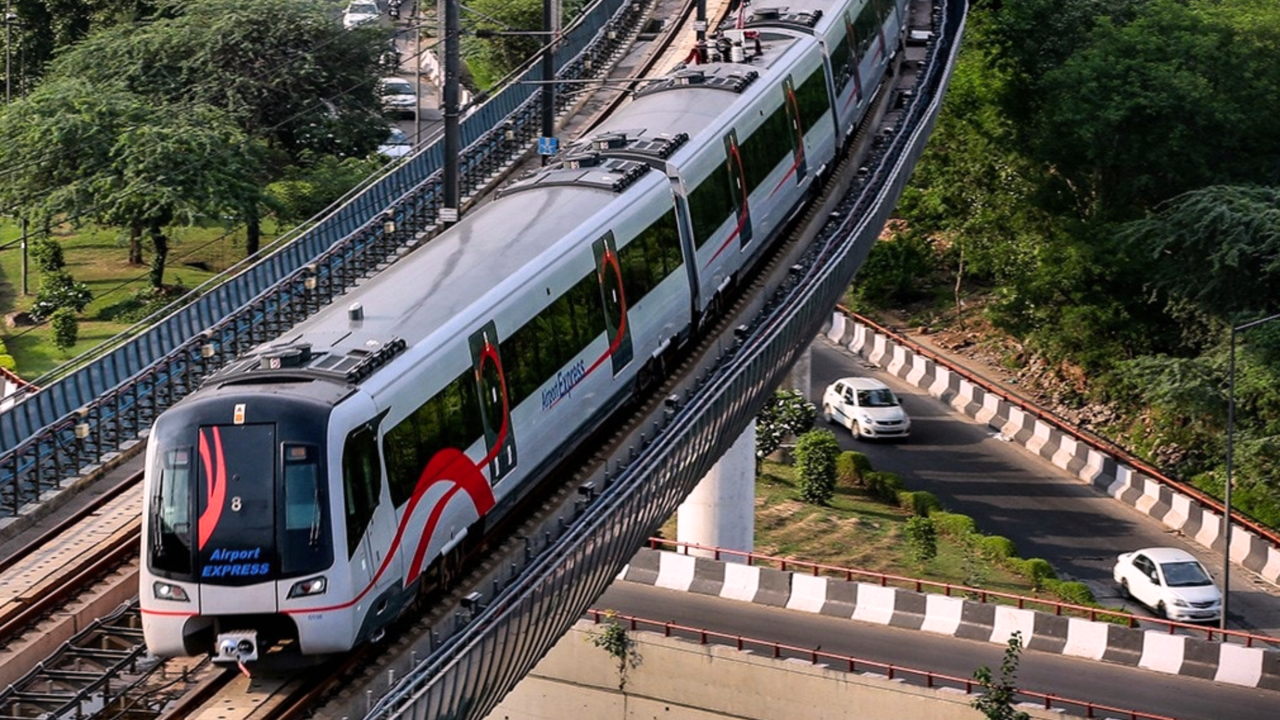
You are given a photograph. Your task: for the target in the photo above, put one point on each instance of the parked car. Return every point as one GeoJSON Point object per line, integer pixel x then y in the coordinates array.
{"type": "Point", "coordinates": [396, 145]}
{"type": "Point", "coordinates": [398, 96]}
{"type": "Point", "coordinates": [360, 12]}
{"type": "Point", "coordinates": [1169, 581]}
{"type": "Point", "coordinates": [868, 408]}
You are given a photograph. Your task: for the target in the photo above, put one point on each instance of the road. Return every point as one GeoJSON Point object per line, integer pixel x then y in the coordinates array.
{"type": "Point", "coordinates": [1010, 492]}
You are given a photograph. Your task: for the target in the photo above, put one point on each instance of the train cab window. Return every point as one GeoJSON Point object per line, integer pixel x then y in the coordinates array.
{"type": "Point", "coordinates": [171, 512]}
{"type": "Point", "coordinates": [361, 483]}
{"type": "Point", "coordinates": [306, 547]}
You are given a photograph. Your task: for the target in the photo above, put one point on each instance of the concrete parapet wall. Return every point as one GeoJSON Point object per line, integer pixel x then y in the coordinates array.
{"type": "Point", "coordinates": [579, 680]}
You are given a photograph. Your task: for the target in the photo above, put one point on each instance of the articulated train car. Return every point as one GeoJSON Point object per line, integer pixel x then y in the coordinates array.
{"type": "Point", "coordinates": [307, 492]}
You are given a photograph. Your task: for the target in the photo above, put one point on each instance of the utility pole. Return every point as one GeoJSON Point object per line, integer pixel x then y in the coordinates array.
{"type": "Point", "coordinates": [700, 31]}
{"type": "Point", "coordinates": [550, 23]}
{"type": "Point", "coordinates": [9, 17]}
{"type": "Point", "coordinates": [452, 35]}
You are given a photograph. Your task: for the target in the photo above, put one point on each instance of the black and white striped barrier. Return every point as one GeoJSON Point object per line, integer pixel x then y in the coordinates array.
{"type": "Point", "coordinates": [1151, 649]}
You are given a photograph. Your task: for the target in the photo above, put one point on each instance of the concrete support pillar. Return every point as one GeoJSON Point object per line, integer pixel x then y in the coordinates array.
{"type": "Point", "coordinates": [720, 512]}
{"type": "Point", "coordinates": [800, 376]}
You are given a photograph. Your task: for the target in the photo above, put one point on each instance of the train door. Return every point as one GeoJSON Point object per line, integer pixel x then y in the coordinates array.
{"type": "Point", "coordinates": [688, 246]}
{"type": "Point", "coordinates": [797, 128]}
{"type": "Point", "coordinates": [370, 518]}
{"type": "Point", "coordinates": [236, 516]}
{"type": "Point", "coordinates": [495, 409]}
{"type": "Point", "coordinates": [738, 187]}
{"type": "Point", "coordinates": [614, 297]}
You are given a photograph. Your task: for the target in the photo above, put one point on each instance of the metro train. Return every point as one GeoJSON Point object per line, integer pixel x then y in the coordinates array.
{"type": "Point", "coordinates": [304, 496]}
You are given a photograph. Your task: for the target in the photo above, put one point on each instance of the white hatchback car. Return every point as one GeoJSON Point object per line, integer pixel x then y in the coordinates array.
{"type": "Point", "coordinates": [1171, 582]}
{"type": "Point", "coordinates": [360, 12]}
{"type": "Point", "coordinates": [867, 407]}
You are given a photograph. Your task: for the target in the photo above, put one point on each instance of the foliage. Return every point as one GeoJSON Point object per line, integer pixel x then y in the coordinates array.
{"type": "Point", "coordinates": [922, 537]}
{"type": "Point", "coordinates": [998, 547]}
{"type": "Point", "coordinates": [6, 360]}
{"type": "Point", "coordinates": [893, 270]}
{"type": "Point", "coordinates": [1037, 570]}
{"type": "Point", "coordinates": [1075, 593]}
{"type": "Point", "coordinates": [47, 255]}
{"type": "Point", "coordinates": [999, 695]}
{"type": "Point", "coordinates": [953, 524]}
{"type": "Point", "coordinates": [307, 189]}
{"type": "Point", "coordinates": [58, 290]}
{"type": "Point", "coordinates": [883, 485]}
{"type": "Point", "coordinates": [851, 466]}
{"type": "Point", "coordinates": [786, 414]}
{"type": "Point", "coordinates": [815, 461]}
{"type": "Point", "coordinates": [65, 328]}
{"type": "Point", "coordinates": [919, 502]}
{"type": "Point", "coordinates": [612, 637]}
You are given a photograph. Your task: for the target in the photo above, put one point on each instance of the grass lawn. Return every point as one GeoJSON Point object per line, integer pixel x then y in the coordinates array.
{"type": "Point", "coordinates": [857, 531]}
{"type": "Point", "coordinates": [98, 257]}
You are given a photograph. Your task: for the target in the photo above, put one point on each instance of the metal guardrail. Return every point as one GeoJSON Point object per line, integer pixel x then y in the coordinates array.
{"type": "Point", "coordinates": [108, 403]}
{"type": "Point", "coordinates": [470, 673]}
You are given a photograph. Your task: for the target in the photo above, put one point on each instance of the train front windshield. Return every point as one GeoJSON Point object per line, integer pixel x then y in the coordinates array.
{"type": "Point", "coordinates": [232, 506]}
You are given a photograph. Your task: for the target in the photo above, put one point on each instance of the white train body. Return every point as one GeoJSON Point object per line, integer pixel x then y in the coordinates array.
{"type": "Point", "coordinates": [303, 494]}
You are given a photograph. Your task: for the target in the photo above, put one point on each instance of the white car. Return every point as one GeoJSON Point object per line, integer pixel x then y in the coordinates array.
{"type": "Point", "coordinates": [1169, 581]}
{"type": "Point", "coordinates": [868, 408]}
{"type": "Point", "coordinates": [360, 12]}
{"type": "Point", "coordinates": [396, 145]}
{"type": "Point", "coordinates": [398, 96]}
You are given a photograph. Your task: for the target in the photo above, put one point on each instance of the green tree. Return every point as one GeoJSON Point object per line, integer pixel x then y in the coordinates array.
{"type": "Point", "coordinates": [296, 82]}
{"type": "Point", "coordinates": [65, 327]}
{"type": "Point", "coordinates": [47, 254]}
{"type": "Point", "coordinates": [999, 695]}
{"type": "Point", "coordinates": [786, 414]}
{"type": "Point", "coordinates": [815, 461]}
{"type": "Point", "coordinates": [60, 291]}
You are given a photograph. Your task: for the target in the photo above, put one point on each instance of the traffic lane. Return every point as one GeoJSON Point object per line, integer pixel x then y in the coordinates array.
{"type": "Point", "coordinates": [1045, 511]}
{"type": "Point", "coordinates": [1088, 680]}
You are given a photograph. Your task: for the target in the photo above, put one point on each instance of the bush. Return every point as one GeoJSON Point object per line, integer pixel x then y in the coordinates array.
{"type": "Point", "coordinates": [851, 467]}
{"type": "Point", "coordinates": [922, 538]}
{"type": "Point", "coordinates": [919, 502]}
{"type": "Point", "coordinates": [1037, 570]}
{"type": "Point", "coordinates": [1076, 593]}
{"type": "Point", "coordinates": [953, 525]}
{"type": "Point", "coordinates": [46, 253]}
{"type": "Point", "coordinates": [60, 290]}
{"type": "Point", "coordinates": [65, 328]}
{"type": "Point", "coordinates": [786, 414]}
{"type": "Point", "coordinates": [883, 485]}
{"type": "Point", "coordinates": [815, 454]}
{"type": "Point", "coordinates": [998, 548]}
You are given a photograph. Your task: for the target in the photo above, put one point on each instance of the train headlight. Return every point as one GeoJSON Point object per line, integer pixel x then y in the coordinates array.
{"type": "Point", "coordinates": [310, 586]}
{"type": "Point", "coordinates": [169, 591]}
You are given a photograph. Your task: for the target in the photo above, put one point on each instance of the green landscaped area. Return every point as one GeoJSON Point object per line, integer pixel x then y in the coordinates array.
{"type": "Point", "coordinates": [98, 257]}
{"type": "Point", "coordinates": [860, 532]}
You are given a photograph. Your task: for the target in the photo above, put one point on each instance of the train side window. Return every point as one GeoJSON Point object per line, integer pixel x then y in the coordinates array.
{"type": "Point", "coordinates": [171, 512]}
{"type": "Point", "coordinates": [449, 419]}
{"type": "Point", "coordinates": [842, 62]}
{"type": "Point", "coordinates": [540, 348]}
{"type": "Point", "coordinates": [766, 147]}
{"type": "Point", "coordinates": [306, 527]}
{"type": "Point", "coordinates": [650, 257]}
{"type": "Point", "coordinates": [361, 483]}
{"type": "Point", "coordinates": [866, 27]}
{"type": "Point", "coordinates": [711, 203]}
{"type": "Point", "coordinates": [812, 99]}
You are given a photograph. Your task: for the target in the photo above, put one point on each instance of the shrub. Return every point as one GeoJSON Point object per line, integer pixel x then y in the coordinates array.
{"type": "Point", "coordinates": [815, 454]}
{"type": "Point", "coordinates": [919, 502]}
{"type": "Point", "coordinates": [1037, 570]}
{"type": "Point", "coordinates": [922, 538]}
{"type": "Point", "coordinates": [953, 525]}
{"type": "Point", "coordinates": [851, 467]}
{"type": "Point", "coordinates": [883, 485]}
{"type": "Point", "coordinates": [60, 290]}
{"type": "Point", "coordinates": [46, 253]}
{"type": "Point", "coordinates": [65, 328]}
{"type": "Point", "coordinates": [1076, 593]}
{"type": "Point", "coordinates": [786, 414]}
{"type": "Point", "coordinates": [998, 548]}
